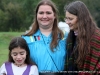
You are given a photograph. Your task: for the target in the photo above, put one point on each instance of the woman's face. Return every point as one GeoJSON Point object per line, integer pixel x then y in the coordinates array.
{"type": "Point", "coordinates": [45, 17]}
{"type": "Point", "coordinates": [71, 20]}
{"type": "Point", "coordinates": [19, 55]}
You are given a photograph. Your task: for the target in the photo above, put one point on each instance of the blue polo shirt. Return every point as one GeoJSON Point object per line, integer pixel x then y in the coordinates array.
{"type": "Point", "coordinates": [40, 53]}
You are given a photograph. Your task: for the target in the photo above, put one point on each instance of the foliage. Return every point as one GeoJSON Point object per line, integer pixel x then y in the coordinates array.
{"type": "Point", "coordinates": [17, 15]}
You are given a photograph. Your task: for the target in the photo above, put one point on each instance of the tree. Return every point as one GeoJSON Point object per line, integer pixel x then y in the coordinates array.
{"type": "Point", "coordinates": [16, 16]}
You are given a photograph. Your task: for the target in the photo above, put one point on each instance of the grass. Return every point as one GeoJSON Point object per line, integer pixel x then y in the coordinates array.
{"type": "Point", "coordinates": [5, 38]}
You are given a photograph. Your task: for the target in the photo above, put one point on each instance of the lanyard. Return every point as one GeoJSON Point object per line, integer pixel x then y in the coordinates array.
{"type": "Point", "coordinates": [50, 54]}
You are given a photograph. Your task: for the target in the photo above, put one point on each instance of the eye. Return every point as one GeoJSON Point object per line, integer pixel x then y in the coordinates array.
{"type": "Point", "coordinates": [48, 12]}
{"type": "Point", "coordinates": [70, 18]}
{"type": "Point", "coordinates": [22, 53]}
{"type": "Point", "coordinates": [41, 12]}
{"type": "Point", "coordinates": [14, 54]}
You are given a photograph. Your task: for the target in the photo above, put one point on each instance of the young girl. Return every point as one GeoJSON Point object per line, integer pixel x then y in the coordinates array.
{"type": "Point", "coordinates": [19, 62]}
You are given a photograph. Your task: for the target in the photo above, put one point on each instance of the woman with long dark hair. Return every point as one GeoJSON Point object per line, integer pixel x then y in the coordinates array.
{"type": "Point", "coordinates": [83, 43]}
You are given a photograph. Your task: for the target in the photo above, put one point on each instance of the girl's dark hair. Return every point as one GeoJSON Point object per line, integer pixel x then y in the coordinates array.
{"type": "Point", "coordinates": [19, 42]}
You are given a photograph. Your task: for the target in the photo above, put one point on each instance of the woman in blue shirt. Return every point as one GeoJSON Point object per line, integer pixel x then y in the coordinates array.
{"type": "Point", "coordinates": [45, 40]}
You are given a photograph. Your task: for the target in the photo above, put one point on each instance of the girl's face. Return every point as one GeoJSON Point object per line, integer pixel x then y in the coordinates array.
{"type": "Point", "coordinates": [45, 17]}
{"type": "Point", "coordinates": [19, 55]}
{"type": "Point", "coordinates": [71, 20]}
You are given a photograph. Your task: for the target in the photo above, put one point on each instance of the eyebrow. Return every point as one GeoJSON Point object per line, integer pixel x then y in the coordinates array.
{"type": "Point", "coordinates": [18, 52]}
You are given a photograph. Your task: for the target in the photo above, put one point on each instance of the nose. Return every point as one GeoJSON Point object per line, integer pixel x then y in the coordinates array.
{"type": "Point", "coordinates": [18, 56]}
{"type": "Point", "coordinates": [44, 16]}
{"type": "Point", "coordinates": [67, 21]}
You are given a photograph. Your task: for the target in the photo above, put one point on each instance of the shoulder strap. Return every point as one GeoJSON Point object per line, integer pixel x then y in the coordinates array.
{"type": "Point", "coordinates": [9, 68]}
{"type": "Point", "coordinates": [27, 71]}
{"type": "Point", "coordinates": [10, 71]}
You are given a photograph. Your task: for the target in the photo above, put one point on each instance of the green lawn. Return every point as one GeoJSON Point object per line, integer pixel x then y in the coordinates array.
{"type": "Point", "coordinates": [5, 38]}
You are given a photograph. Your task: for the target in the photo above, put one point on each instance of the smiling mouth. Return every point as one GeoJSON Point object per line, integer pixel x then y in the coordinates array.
{"type": "Point", "coordinates": [19, 61]}
{"type": "Point", "coordinates": [44, 20]}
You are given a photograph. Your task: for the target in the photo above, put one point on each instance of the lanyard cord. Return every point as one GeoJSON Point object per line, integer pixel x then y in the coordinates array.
{"type": "Point", "coordinates": [49, 53]}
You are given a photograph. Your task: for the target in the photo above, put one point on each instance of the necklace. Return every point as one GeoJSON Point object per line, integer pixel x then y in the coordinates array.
{"type": "Point", "coordinates": [18, 65]}
{"type": "Point", "coordinates": [43, 39]}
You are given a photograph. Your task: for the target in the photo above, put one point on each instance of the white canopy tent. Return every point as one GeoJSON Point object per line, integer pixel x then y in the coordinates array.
{"type": "Point", "coordinates": [63, 26]}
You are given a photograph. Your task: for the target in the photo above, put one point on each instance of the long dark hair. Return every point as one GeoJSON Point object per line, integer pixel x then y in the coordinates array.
{"type": "Point", "coordinates": [86, 28]}
{"type": "Point", "coordinates": [19, 42]}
